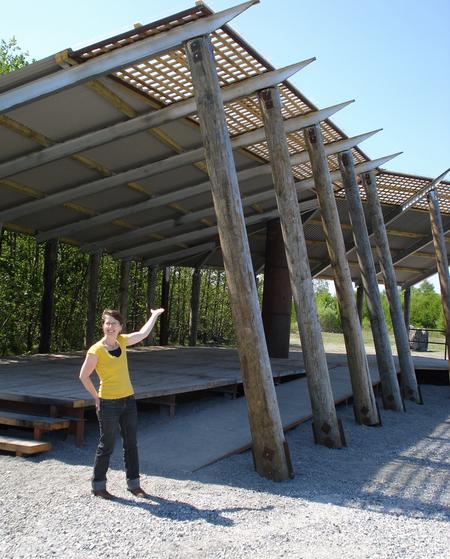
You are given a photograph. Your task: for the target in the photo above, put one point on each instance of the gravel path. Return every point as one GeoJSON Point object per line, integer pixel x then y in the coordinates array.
{"type": "Point", "coordinates": [386, 495]}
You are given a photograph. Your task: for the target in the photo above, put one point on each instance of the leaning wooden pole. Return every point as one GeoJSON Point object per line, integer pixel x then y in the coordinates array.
{"type": "Point", "coordinates": [124, 282]}
{"type": "Point", "coordinates": [440, 249]}
{"type": "Point", "coordinates": [270, 450]}
{"type": "Point", "coordinates": [390, 389]}
{"type": "Point", "coordinates": [409, 385]}
{"type": "Point", "coordinates": [325, 423]}
{"type": "Point", "coordinates": [195, 305]}
{"type": "Point", "coordinates": [48, 295]}
{"type": "Point", "coordinates": [152, 279]}
{"type": "Point", "coordinates": [407, 307]}
{"type": "Point", "coordinates": [91, 320]}
{"type": "Point", "coordinates": [365, 406]}
{"type": "Point", "coordinates": [360, 302]}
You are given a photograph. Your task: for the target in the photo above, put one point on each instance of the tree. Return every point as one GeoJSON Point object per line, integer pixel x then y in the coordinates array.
{"type": "Point", "coordinates": [426, 308]}
{"type": "Point", "coordinates": [11, 56]}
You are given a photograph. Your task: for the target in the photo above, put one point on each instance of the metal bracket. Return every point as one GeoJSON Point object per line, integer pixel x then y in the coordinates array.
{"type": "Point", "coordinates": [266, 96]}
{"type": "Point", "coordinates": [195, 48]}
{"type": "Point", "coordinates": [312, 135]}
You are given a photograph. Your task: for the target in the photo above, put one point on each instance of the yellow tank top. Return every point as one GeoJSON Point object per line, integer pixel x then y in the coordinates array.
{"type": "Point", "coordinates": [112, 371]}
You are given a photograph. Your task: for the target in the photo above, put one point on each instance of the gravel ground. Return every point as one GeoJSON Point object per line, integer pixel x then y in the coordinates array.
{"type": "Point", "coordinates": [386, 495]}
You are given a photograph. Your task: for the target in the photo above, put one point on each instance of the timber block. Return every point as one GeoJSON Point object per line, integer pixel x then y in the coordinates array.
{"type": "Point", "coordinates": [38, 423]}
{"type": "Point", "coordinates": [23, 447]}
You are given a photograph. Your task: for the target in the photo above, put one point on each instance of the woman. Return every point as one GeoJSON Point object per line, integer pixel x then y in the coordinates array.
{"type": "Point", "coordinates": [114, 402]}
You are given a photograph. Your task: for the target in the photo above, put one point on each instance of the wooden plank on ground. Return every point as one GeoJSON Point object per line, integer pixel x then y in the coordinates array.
{"type": "Point", "coordinates": [23, 447]}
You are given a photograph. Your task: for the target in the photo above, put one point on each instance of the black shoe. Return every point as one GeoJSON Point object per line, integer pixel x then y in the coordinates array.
{"type": "Point", "coordinates": [103, 494]}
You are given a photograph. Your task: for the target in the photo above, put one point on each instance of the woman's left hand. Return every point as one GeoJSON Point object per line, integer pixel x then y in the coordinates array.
{"type": "Point", "coordinates": [157, 312]}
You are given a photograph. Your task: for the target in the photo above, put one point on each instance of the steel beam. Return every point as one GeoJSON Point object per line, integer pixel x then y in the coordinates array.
{"type": "Point", "coordinates": [143, 122]}
{"type": "Point", "coordinates": [118, 58]}
{"type": "Point", "coordinates": [156, 167]}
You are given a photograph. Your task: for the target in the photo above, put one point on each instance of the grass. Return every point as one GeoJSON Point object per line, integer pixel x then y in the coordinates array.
{"type": "Point", "coordinates": [335, 342]}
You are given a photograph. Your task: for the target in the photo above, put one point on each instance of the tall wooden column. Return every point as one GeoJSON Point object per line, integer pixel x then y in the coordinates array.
{"type": "Point", "coordinates": [164, 320]}
{"type": "Point", "coordinates": [124, 282]}
{"type": "Point", "coordinates": [409, 386]}
{"type": "Point", "coordinates": [270, 450]}
{"type": "Point", "coordinates": [407, 307]}
{"type": "Point", "coordinates": [91, 321]}
{"type": "Point", "coordinates": [152, 278]}
{"type": "Point", "coordinates": [277, 294]}
{"type": "Point", "coordinates": [390, 388]}
{"type": "Point", "coordinates": [365, 406]}
{"type": "Point", "coordinates": [195, 305]}
{"type": "Point", "coordinates": [48, 295]}
{"type": "Point", "coordinates": [360, 302]}
{"type": "Point", "coordinates": [326, 427]}
{"type": "Point", "coordinates": [440, 249]}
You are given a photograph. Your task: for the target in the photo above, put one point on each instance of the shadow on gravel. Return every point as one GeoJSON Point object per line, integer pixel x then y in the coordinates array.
{"type": "Point", "coordinates": [182, 512]}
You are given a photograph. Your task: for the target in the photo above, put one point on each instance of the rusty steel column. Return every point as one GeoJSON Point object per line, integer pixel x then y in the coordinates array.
{"type": "Point", "coordinates": [277, 294]}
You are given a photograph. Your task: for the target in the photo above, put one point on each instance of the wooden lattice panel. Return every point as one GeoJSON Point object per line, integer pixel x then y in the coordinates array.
{"type": "Point", "coordinates": [166, 79]}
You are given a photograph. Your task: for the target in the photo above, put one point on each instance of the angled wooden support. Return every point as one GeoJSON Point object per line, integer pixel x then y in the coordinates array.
{"type": "Point", "coordinates": [48, 295]}
{"type": "Point", "coordinates": [270, 451]}
{"type": "Point", "coordinates": [152, 279]}
{"type": "Point", "coordinates": [125, 265]}
{"type": "Point", "coordinates": [365, 406]}
{"type": "Point", "coordinates": [409, 386]}
{"type": "Point", "coordinates": [91, 320]}
{"type": "Point", "coordinates": [164, 320]}
{"type": "Point", "coordinates": [441, 257]}
{"type": "Point", "coordinates": [390, 388]}
{"type": "Point", "coordinates": [360, 302]}
{"type": "Point", "coordinates": [116, 59]}
{"type": "Point", "coordinates": [326, 427]}
{"type": "Point", "coordinates": [195, 305]}
{"type": "Point", "coordinates": [407, 307]}
{"type": "Point", "coordinates": [143, 122]}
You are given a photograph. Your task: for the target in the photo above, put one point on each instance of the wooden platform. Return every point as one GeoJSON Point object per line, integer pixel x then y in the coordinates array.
{"type": "Point", "coordinates": [22, 447]}
{"type": "Point", "coordinates": [49, 383]}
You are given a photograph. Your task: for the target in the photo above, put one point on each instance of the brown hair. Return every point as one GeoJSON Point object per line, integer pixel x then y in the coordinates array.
{"type": "Point", "coordinates": [115, 314]}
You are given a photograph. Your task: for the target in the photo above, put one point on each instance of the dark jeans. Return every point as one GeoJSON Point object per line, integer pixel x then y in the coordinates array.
{"type": "Point", "coordinates": [117, 415]}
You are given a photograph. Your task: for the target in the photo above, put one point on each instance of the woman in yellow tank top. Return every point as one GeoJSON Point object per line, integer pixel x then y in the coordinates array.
{"type": "Point", "coordinates": [114, 402]}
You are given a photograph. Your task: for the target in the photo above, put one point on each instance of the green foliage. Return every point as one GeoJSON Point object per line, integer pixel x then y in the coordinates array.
{"type": "Point", "coordinates": [426, 307]}
{"type": "Point", "coordinates": [11, 56]}
{"type": "Point", "coordinates": [328, 311]}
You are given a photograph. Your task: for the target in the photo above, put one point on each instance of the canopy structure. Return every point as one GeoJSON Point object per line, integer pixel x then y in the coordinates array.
{"type": "Point", "coordinates": [101, 148]}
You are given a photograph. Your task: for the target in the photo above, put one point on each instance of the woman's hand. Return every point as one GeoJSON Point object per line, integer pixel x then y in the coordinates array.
{"type": "Point", "coordinates": [156, 312]}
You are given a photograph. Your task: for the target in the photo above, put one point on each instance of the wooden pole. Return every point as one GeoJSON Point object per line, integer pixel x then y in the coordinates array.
{"type": "Point", "coordinates": [164, 320]}
{"type": "Point", "coordinates": [326, 427]}
{"type": "Point", "coordinates": [277, 293]}
{"type": "Point", "coordinates": [91, 321]}
{"type": "Point", "coordinates": [195, 305]}
{"type": "Point", "coordinates": [48, 295]}
{"type": "Point", "coordinates": [125, 266]}
{"type": "Point", "coordinates": [407, 307]}
{"type": "Point", "coordinates": [365, 405]}
{"type": "Point", "coordinates": [270, 450]}
{"type": "Point", "coordinates": [440, 249]}
{"type": "Point", "coordinates": [409, 385]}
{"type": "Point", "coordinates": [390, 388]}
{"type": "Point", "coordinates": [360, 302]}
{"type": "Point", "coordinates": [152, 277]}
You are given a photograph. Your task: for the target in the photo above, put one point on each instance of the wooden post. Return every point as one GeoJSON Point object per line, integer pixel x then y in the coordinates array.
{"type": "Point", "coordinates": [195, 304]}
{"type": "Point", "coordinates": [152, 277]}
{"type": "Point", "coordinates": [407, 307]}
{"type": "Point", "coordinates": [48, 295]}
{"type": "Point", "coordinates": [409, 386]}
{"type": "Point", "coordinates": [91, 321]}
{"type": "Point", "coordinates": [360, 302]}
{"type": "Point", "coordinates": [440, 249]}
{"type": "Point", "coordinates": [326, 427]}
{"type": "Point", "coordinates": [277, 293]}
{"type": "Point", "coordinates": [365, 405]}
{"type": "Point", "coordinates": [270, 450]}
{"type": "Point", "coordinates": [164, 320]}
{"type": "Point", "coordinates": [123, 290]}
{"type": "Point", "coordinates": [390, 388]}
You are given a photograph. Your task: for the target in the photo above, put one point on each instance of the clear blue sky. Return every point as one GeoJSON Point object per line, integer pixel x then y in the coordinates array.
{"type": "Point", "coordinates": [391, 56]}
